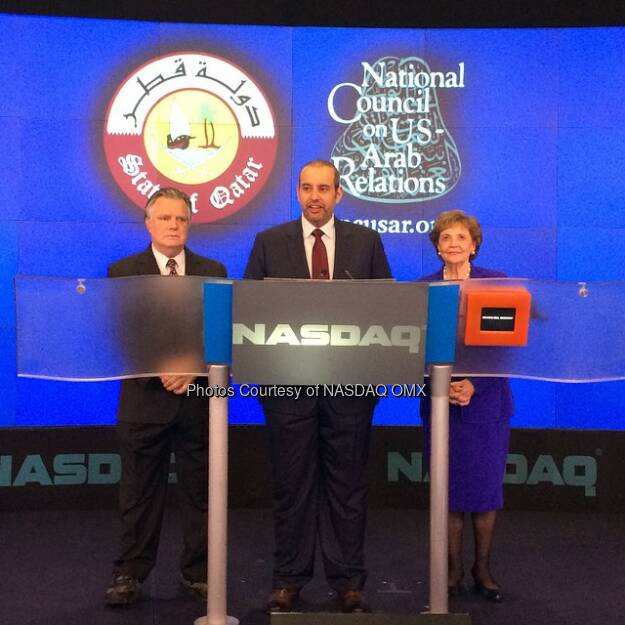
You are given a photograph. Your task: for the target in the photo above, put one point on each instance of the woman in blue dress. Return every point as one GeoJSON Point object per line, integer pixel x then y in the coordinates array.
{"type": "Point", "coordinates": [479, 423]}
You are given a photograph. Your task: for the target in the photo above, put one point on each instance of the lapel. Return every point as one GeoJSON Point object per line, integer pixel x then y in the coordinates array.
{"type": "Point", "coordinates": [478, 272]}
{"type": "Point", "coordinates": [438, 276]}
{"type": "Point", "coordinates": [190, 263]}
{"type": "Point", "coordinates": [296, 251]}
{"type": "Point", "coordinates": [146, 263]}
{"type": "Point", "coordinates": [342, 250]}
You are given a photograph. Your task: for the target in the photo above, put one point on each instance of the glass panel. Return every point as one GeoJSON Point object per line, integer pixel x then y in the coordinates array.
{"type": "Point", "coordinates": [100, 329]}
{"type": "Point", "coordinates": [576, 333]}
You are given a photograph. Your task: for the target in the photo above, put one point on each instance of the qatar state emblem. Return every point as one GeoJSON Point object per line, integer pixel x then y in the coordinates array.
{"type": "Point", "coordinates": [196, 122]}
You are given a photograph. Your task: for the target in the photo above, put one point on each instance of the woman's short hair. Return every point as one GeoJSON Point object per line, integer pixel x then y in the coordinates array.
{"type": "Point", "coordinates": [450, 218]}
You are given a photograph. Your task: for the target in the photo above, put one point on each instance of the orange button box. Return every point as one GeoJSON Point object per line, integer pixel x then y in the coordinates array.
{"type": "Point", "coordinates": [497, 316]}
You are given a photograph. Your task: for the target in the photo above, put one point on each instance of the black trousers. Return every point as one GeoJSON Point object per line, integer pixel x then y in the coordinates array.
{"type": "Point", "coordinates": [145, 450]}
{"type": "Point", "coordinates": [319, 461]}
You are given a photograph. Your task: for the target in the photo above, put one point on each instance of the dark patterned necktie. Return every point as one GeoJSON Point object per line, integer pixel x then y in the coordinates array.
{"type": "Point", "coordinates": [320, 269]}
{"type": "Point", "coordinates": [171, 265]}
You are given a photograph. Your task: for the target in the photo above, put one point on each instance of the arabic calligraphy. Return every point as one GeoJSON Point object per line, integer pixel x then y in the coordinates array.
{"type": "Point", "coordinates": [180, 71]}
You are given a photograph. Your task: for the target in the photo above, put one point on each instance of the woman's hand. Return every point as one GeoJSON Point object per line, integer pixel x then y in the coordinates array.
{"type": "Point", "coordinates": [460, 392]}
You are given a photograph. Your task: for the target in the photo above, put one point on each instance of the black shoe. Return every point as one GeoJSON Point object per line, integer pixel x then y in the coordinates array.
{"type": "Point", "coordinates": [490, 593]}
{"type": "Point", "coordinates": [457, 589]}
{"type": "Point", "coordinates": [124, 590]}
{"type": "Point", "coordinates": [198, 590]}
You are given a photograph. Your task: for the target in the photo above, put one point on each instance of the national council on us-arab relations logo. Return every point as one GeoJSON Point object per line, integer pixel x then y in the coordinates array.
{"type": "Point", "coordinates": [194, 121]}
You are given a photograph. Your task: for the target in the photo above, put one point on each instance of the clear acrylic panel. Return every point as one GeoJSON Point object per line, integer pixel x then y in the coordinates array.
{"type": "Point", "coordinates": [102, 329]}
{"type": "Point", "coordinates": [576, 333]}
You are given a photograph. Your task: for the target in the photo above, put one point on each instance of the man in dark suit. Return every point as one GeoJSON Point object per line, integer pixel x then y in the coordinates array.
{"type": "Point", "coordinates": [156, 417]}
{"type": "Point", "coordinates": [319, 446]}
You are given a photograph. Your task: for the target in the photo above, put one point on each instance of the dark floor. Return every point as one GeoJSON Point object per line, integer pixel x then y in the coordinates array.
{"type": "Point", "coordinates": [555, 569]}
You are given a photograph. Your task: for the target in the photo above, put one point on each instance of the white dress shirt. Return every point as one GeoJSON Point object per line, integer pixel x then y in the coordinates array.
{"type": "Point", "coordinates": [328, 238]}
{"type": "Point", "coordinates": [161, 261]}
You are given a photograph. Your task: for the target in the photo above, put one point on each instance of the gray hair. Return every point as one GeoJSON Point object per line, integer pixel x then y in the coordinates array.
{"type": "Point", "coordinates": [171, 193]}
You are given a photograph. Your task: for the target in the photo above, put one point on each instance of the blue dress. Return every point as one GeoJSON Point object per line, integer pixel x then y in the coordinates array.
{"type": "Point", "coordinates": [479, 435]}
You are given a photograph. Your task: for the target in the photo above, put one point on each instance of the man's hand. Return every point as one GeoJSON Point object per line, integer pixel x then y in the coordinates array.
{"type": "Point", "coordinates": [460, 392]}
{"type": "Point", "coordinates": [177, 383]}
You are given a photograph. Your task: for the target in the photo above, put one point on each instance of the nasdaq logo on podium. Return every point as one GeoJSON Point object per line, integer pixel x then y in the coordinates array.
{"type": "Point", "coordinates": [307, 332]}
{"type": "Point", "coordinates": [320, 334]}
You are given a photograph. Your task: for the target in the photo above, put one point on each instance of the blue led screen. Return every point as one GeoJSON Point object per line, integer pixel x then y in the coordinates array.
{"type": "Point", "coordinates": [523, 128]}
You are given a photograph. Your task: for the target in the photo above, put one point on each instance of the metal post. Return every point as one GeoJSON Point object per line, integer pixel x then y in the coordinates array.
{"type": "Point", "coordinates": [440, 377]}
{"type": "Point", "coordinates": [218, 377]}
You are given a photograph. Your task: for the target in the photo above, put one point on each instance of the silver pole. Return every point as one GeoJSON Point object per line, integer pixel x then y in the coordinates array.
{"type": "Point", "coordinates": [440, 377]}
{"type": "Point", "coordinates": [218, 377]}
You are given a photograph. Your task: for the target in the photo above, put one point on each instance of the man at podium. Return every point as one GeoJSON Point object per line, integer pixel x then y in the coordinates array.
{"type": "Point", "coordinates": [156, 417]}
{"type": "Point", "coordinates": [318, 445]}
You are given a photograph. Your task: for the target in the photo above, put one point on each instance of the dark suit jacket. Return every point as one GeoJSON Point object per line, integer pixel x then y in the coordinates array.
{"type": "Point", "coordinates": [144, 400]}
{"type": "Point", "coordinates": [279, 253]}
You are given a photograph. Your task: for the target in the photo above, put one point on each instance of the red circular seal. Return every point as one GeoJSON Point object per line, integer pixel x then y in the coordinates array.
{"type": "Point", "coordinates": [196, 122]}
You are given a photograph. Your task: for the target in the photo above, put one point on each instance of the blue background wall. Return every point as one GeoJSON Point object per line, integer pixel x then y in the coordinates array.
{"type": "Point", "coordinates": [539, 126]}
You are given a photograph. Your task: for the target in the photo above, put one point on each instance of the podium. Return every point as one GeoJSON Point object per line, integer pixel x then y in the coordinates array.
{"type": "Point", "coordinates": [85, 330]}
